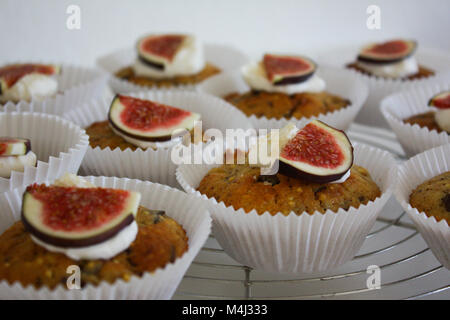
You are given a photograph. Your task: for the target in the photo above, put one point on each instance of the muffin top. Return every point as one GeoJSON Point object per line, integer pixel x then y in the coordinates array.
{"type": "Point", "coordinates": [433, 197]}
{"type": "Point", "coordinates": [241, 186]}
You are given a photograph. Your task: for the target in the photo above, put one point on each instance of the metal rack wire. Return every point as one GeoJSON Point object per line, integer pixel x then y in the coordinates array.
{"type": "Point", "coordinates": [407, 266]}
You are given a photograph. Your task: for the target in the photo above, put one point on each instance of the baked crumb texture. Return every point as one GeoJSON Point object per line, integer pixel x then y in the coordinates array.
{"type": "Point", "coordinates": [240, 186]}
{"type": "Point", "coordinates": [280, 105]}
{"type": "Point", "coordinates": [433, 197]}
{"type": "Point", "coordinates": [424, 120]}
{"type": "Point", "coordinates": [127, 73]}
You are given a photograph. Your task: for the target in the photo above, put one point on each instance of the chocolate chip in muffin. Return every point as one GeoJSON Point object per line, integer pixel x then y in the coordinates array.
{"type": "Point", "coordinates": [446, 201]}
{"type": "Point", "coordinates": [272, 179]}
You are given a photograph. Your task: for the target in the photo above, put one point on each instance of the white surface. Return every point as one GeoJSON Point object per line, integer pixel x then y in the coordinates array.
{"type": "Point", "coordinates": [37, 28]}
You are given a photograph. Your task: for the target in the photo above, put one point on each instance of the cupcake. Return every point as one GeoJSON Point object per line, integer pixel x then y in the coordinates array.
{"type": "Point", "coordinates": [166, 61]}
{"type": "Point", "coordinates": [389, 67]}
{"type": "Point", "coordinates": [420, 117]}
{"type": "Point", "coordinates": [47, 88]}
{"type": "Point", "coordinates": [311, 213]}
{"type": "Point", "coordinates": [282, 88]}
{"type": "Point", "coordinates": [103, 227]}
{"type": "Point", "coordinates": [134, 135]}
{"type": "Point", "coordinates": [424, 192]}
{"type": "Point", "coordinates": [36, 147]}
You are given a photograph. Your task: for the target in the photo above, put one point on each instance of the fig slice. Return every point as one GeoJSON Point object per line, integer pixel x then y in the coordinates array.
{"type": "Point", "coordinates": [77, 217]}
{"type": "Point", "coordinates": [441, 100]}
{"type": "Point", "coordinates": [148, 120]}
{"type": "Point", "coordinates": [10, 74]}
{"type": "Point", "coordinates": [317, 153]}
{"type": "Point", "coordinates": [157, 50]}
{"type": "Point", "coordinates": [282, 70]}
{"type": "Point", "coordinates": [387, 52]}
{"type": "Point", "coordinates": [14, 146]}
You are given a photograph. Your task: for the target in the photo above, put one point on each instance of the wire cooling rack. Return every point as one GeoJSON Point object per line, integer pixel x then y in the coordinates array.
{"type": "Point", "coordinates": [408, 268]}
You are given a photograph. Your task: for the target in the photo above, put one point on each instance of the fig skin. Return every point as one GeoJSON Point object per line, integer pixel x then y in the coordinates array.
{"type": "Point", "coordinates": [151, 64]}
{"type": "Point", "coordinates": [412, 46]}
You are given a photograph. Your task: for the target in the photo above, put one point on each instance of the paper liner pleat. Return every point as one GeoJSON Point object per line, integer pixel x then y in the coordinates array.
{"type": "Point", "coordinates": [187, 210]}
{"type": "Point", "coordinates": [339, 82]}
{"type": "Point", "coordinates": [76, 85]}
{"type": "Point", "coordinates": [58, 144]}
{"type": "Point", "coordinates": [397, 107]}
{"type": "Point", "coordinates": [153, 165]}
{"type": "Point", "coordinates": [222, 56]}
{"type": "Point", "coordinates": [379, 88]}
{"type": "Point", "coordinates": [415, 171]}
{"type": "Point", "coordinates": [296, 243]}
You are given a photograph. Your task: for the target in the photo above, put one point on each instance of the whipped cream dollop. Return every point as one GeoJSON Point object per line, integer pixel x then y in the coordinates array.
{"type": "Point", "coordinates": [189, 59]}
{"type": "Point", "coordinates": [255, 76]}
{"type": "Point", "coordinates": [442, 118]}
{"type": "Point", "coordinates": [16, 163]}
{"type": "Point", "coordinates": [104, 250]}
{"type": "Point", "coordinates": [34, 86]}
{"type": "Point", "coordinates": [401, 69]}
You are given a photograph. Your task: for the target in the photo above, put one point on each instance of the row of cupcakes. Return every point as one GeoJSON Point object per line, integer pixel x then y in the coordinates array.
{"type": "Point", "coordinates": [308, 217]}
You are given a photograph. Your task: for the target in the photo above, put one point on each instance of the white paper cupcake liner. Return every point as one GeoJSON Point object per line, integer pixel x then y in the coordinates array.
{"type": "Point", "coordinates": [76, 85]}
{"type": "Point", "coordinates": [339, 82]}
{"type": "Point", "coordinates": [187, 210]}
{"type": "Point", "coordinates": [413, 172]}
{"type": "Point", "coordinates": [292, 243]}
{"type": "Point", "coordinates": [397, 107]}
{"type": "Point", "coordinates": [58, 144]}
{"type": "Point", "coordinates": [379, 88]}
{"type": "Point", "coordinates": [149, 164]}
{"type": "Point", "coordinates": [222, 56]}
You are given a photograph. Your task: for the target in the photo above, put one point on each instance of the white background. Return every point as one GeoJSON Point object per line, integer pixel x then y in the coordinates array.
{"type": "Point", "coordinates": [36, 29]}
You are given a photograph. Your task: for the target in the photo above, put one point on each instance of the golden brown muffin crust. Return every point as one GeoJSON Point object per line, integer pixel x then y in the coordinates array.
{"type": "Point", "coordinates": [424, 120]}
{"type": "Point", "coordinates": [280, 105]}
{"type": "Point", "coordinates": [422, 73]}
{"type": "Point", "coordinates": [433, 197]}
{"type": "Point", "coordinates": [160, 240]}
{"type": "Point", "coordinates": [240, 187]}
{"type": "Point", "coordinates": [127, 73]}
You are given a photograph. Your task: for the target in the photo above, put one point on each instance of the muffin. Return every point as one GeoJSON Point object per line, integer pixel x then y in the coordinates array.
{"type": "Point", "coordinates": [285, 87]}
{"type": "Point", "coordinates": [418, 117]}
{"type": "Point", "coordinates": [146, 257]}
{"type": "Point", "coordinates": [433, 197]}
{"type": "Point", "coordinates": [168, 60]}
{"type": "Point", "coordinates": [311, 214]}
{"type": "Point", "coordinates": [423, 190]}
{"type": "Point", "coordinates": [439, 118]}
{"type": "Point", "coordinates": [392, 59]}
{"type": "Point", "coordinates": [38, 146]}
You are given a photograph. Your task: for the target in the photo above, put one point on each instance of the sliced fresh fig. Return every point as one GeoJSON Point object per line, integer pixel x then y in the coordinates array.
{"type": "Point", "coordinates": [10, 74]}
{"type": "Point", "coordinates": [317, 153]}
{"type": "Point", "coordinates": [282, 70]}
{"type": "Point", "coordinates": [148, 120]}
{"type": "Point", "coordinates": [441, 100]}
{"type": "Point", "coordinates": [14, 146]}
{"type": "Point", "coordinates": [157, 50]}
{"type": "Point", "coordinates": [77, 217]}
{"type": "Point", "coordinates": [387, 52]}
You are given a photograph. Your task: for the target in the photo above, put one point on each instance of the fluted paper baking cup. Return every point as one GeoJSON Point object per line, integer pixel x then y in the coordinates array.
{"type": "Point", "coordinates": [58, 144]}
{"type": "Point", "coordinates": [76, 85]}
{"type": "Point", "coordinates": [379, 88]}
{"type": "Point", "coordinates": [222, 56]}
{"type": "Point", "coordinates": [413, 172]}
{"type": "Point", "coordinates": [149, 164]}
{"type": "Point", "coordinates": [397, 107]}
{"type": "Point", "coordinates": [339, 82]}
{"type": "Point", "coordinates": [187, 210]}
{"type": "Point", "coordinates": [296, 243]}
